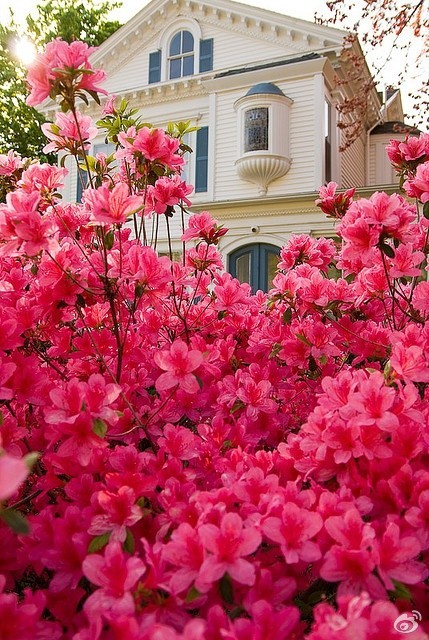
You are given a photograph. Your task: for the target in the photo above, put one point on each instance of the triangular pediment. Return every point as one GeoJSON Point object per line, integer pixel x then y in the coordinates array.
{"type": "Point", "coordinates": [278, 35]}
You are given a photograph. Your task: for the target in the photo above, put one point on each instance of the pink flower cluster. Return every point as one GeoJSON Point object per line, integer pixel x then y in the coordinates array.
{"type": "Point", "coordinates": [411, 160]}
{"type": "Point", "coordinates": [62, 67]}
{"type": "Point", "coordinates": [213, 464]}
{"type": "Point", "coordinates": [68, 132]}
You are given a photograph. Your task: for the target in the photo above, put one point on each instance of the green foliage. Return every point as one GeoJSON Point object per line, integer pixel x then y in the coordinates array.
{"type": "Point", "coordinates": [84, 19]}
{"type": "Point", "coordinates": [15, 520]}
{"type": "Point", "coordinates": [19, 124]}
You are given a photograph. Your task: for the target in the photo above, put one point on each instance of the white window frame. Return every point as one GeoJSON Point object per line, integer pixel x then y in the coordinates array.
{"type": "Point", "coordinates": [184, 24]}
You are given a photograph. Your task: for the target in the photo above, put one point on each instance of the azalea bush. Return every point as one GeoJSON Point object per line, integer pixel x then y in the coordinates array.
{"type": "Point", "coordinates": [182, 459]}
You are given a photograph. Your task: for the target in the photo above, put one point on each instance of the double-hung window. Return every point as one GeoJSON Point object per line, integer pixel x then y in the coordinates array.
{"type": "Point", "coordinates": [184, 54]}
{"type": "Point", "coordinates": [181, 55]}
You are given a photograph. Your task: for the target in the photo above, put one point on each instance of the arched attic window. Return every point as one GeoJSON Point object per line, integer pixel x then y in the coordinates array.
{"type": "Point", "coordinates": [181, 55]}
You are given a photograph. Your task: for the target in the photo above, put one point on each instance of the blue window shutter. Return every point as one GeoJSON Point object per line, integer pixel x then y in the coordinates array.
{"type": "Point", "coordinates": [201, 160]}
{"type": "Point", "coordinates": [155, 66]}
{"type": "Point", "coordinates": [79, 188]}
{"type": "Point", "coordinates": [206, 55]}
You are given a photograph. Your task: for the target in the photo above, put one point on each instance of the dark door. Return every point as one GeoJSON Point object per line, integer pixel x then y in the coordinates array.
{"type": "Point", "coordinates": [255, 264]}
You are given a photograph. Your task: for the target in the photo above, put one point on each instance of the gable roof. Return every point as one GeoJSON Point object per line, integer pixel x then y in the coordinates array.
{"type": "Point", "coordinates": [297, 34]}
{"type": "Point", "coordinates": [267, 65]}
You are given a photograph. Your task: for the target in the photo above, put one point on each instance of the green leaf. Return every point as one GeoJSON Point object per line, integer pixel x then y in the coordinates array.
{"type": "Point", "coordinates": [15, 521]}
{"type": "Point", "coordinates": [387, 250]}
{"type": "Point", "coordinates": [109, 239]}
{"type": "Point", "coordinates": [30, 459]}
{"type": "Point", "coordinates": [227, 444]}
{"type": "Point", "coordinates": [94, 95]}
{"type": "Point", "coordinates": [276, 348]}
{"type": "Point", "coordinates": [401, 591]}
{"type": "Point", "coordinates": [226, 590]}
{"type": "Point", "coordinates": [426, 210]}
{"type": "Point", "coordinates": [80, 300]}
{"type": "Point", "coordinates": [312, 364]}
{"type": "Point", "coordinates": [98, 542]}
{"type": "Point", "coordinates": [287, 316]}
{"type": "Point", "coordinates": [129, 544]}
{"type": "Point", "coordinates": [238, 404]}
{"type": "Point", "coordinates": [192, 595]}
{"type": "Point", "coordinates": [99, 427]}
{"type": "Point", "coordinates": [316, 596]}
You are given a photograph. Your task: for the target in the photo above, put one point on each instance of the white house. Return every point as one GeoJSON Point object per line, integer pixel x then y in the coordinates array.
{"type": "Point", "coordinates": [262, 88]}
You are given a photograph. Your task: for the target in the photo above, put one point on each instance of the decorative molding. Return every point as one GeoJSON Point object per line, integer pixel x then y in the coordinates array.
{"type": "Point", "coordinates": [262, 169]}
{"type": "Point", "coordinates": [298, 35]}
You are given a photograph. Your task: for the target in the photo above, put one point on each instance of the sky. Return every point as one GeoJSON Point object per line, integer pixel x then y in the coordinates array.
{"type": "Point", "coordinates": [305, 9]}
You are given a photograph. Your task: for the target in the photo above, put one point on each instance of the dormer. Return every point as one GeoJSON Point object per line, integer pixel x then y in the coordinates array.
{"type": "Point", "coordinates": [182, 52]}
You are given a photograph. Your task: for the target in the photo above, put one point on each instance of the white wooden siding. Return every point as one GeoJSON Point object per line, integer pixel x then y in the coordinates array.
{"type": "Point", "coordinates": [371, 164]}
{"type": "Point", "coordinates": [380, 170]}
{"type": "Point", "coordinates": [234, 49]}
{"type": "Point", "coordinates": [301, 175]}
{"type": "Point", "coordinates": [353, 164]}
{"type": "Point", "coordinates": [134, 70]}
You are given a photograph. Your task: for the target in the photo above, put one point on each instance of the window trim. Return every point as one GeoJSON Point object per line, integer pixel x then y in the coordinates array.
{"type": "Point", "coordinates": [330, 141]}
{"type": "Point", "coordinates": [182, 24]}
{"type": "Point", "coordinates": [182, 55]}
{"type": "Point", "coordinates": [259, 252]}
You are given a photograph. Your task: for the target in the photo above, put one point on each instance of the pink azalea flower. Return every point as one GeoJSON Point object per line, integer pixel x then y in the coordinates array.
{"type": "Point", "coordinates": [43, 178]}
{"type": "Point", "coordinates": [13, 472]}
{"type": "Point", "coordinates": [113, 206]}
{"type": "Point", "coordinates": [396, 558]}
{"type": "Point", "coordinates": [157, 146]}
{"type": "Point", "coordinates": [414, 148]}
{"type": "Point", "coordinates": [228, 545]}
{"type": "Point", "coordinates": [58, 62]}
{"type": "Point", "coordinates": [203, 257]}
{"type": "Point", "coordinates": [22, 224]}
{"type": "Point", "coordinates": [116, 573]}
{"type": "Point", "coordinates": [167, 192]}
{"type": "Point", "coordinates": [421, 296]}
{"type": "Point", "coordinates": [418, 186]}
{"type": "Point", "coordinates": [119, 512]}
{"type": "Point", "coordinates": [178, 363]}
{"type": "Point", "coordinates": [9, 163]}
{"type": "Point", "coordinates": [109, 106]}
{"type": "Point", "coordinates": [293, 531]}
{"type": "Point", "coordinates": [185, 551]}
{"type": "Point", "coordinates": [406, 261]}
{"type": "Point", "coordinates": [202, 226]}
{"type": "Point", "coordinates": [410, 363]}
{"type": "Point", "coordinates": [67, 132]}
{"type": "Point", "coordinates": [266, 623]}
{"type": "Point", "coordinates": [255, 396]}
{"type": "Point", "coordinates": [6, 371]}
{"type": "Point", "coordinates": [374, 402]}
{"type": "Point", "coordinates": [179, 442]}
{"type": "Point", "coordinates": [332, 203]}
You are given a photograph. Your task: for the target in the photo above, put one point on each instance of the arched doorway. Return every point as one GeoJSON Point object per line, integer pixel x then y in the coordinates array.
{"type": "Point", "coordinates": [255, 264]}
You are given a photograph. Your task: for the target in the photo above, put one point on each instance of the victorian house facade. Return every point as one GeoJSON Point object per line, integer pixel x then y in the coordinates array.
{"type": "Point", "coordinates": [262, 89]}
